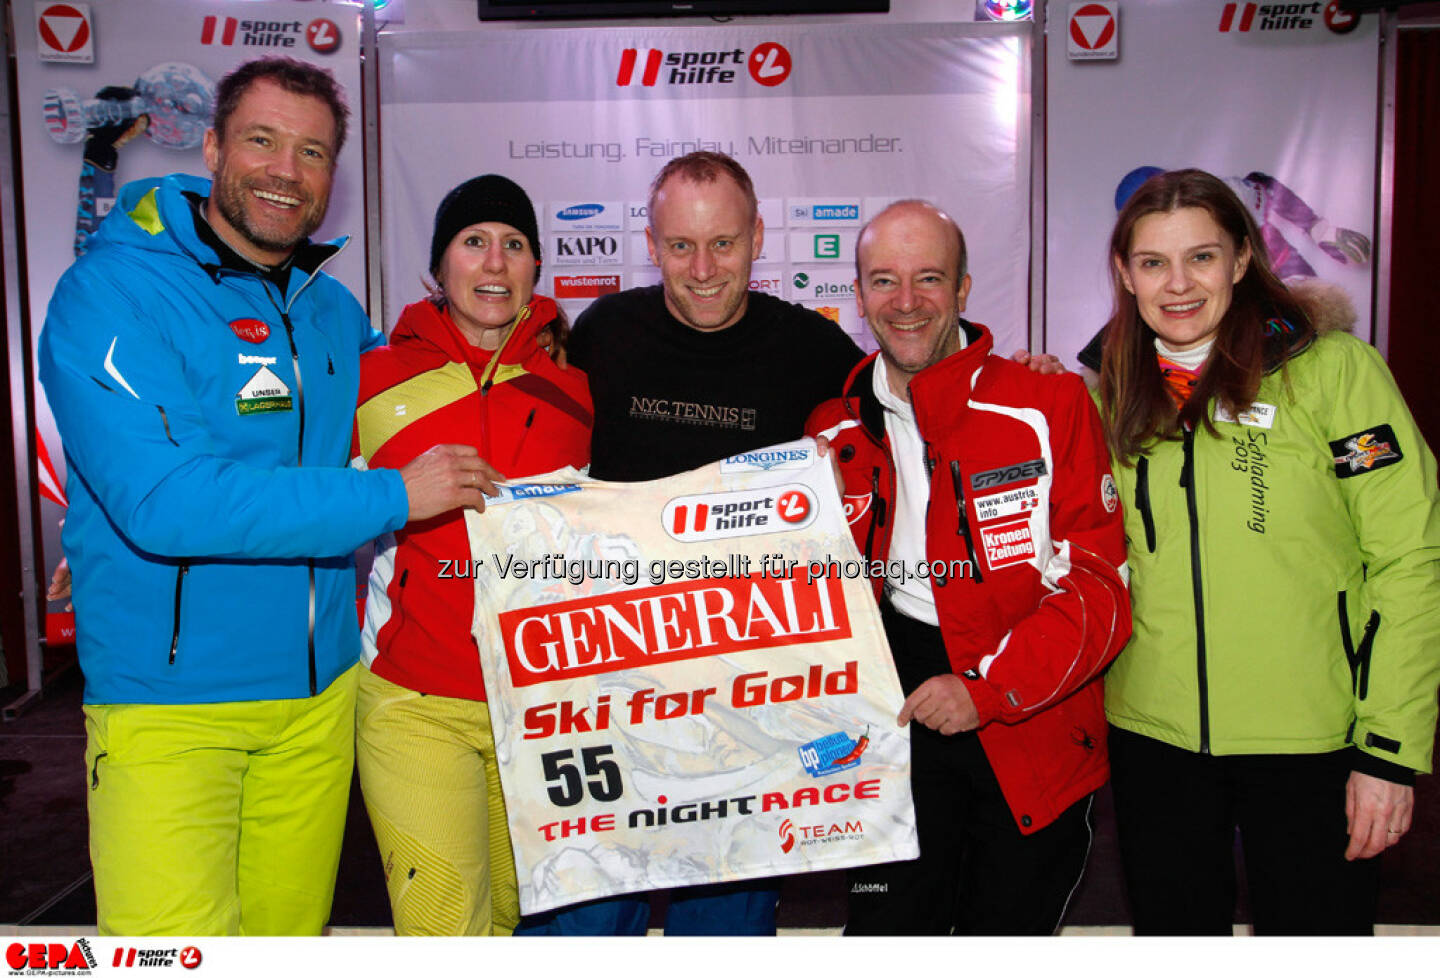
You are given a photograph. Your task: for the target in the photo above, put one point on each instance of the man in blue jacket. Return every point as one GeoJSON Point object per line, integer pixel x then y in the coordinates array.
{"type": "Point", "coordinates": [203, 370]}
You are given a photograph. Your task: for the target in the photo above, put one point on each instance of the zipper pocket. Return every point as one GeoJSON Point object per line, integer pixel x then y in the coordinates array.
{"type": "Point", "coordinates": [180, 573]}
{"type": "Point", "coordinates": [1142, 500]}
{"type": "Point", "coordinates": [1362, 655]}
{"type": "Point", "coordinates": [1357, 658]}
{"type": "Point", "coordinates": [962, 526]}
{"type": "Point", "coordinates": [877, 509]}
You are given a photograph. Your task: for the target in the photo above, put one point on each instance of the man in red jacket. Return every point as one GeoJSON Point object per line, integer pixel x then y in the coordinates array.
{"type": "Point", "coordinates": [985, 489]}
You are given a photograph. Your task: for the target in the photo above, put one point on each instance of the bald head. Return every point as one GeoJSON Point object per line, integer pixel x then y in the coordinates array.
{"type": "Point", "coordinates": [915, 207]}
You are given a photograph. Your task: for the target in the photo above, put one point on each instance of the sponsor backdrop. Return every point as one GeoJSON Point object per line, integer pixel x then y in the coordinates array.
{"type": "Point", "coordinates": [1279, 99]}
{"type": "Point", "coordinates": [168, 53]}
{"type": "Point", "coordinates": [706, 696]}
{"type": "Point", "coordinates": [832, 123]}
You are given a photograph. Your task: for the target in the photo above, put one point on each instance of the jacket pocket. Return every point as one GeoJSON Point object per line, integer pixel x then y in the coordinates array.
{"type": "Point", "coordinates": [181, 573]}
{"type": "Point", "coordinates": [1142, 500]}
{"type": "Point", "coordinates": [1358, 657]}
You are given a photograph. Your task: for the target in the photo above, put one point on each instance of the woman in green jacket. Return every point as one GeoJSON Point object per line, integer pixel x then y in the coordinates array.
{"type": "Point", "coordinates": [1284, 541]}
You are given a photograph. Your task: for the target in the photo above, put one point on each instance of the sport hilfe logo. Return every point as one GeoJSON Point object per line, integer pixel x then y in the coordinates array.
{"type": "Point", "coordinates": [321, 34]}
{"type": "Point", "coordinates": [769, 64]}
{"type": "Point", "coordinates": [1286, 17]}
{"type": "Point", "coordinates": [740, 513]}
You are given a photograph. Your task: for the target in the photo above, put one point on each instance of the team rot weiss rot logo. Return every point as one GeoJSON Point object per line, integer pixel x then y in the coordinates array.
{"type": "Point", "coordinates": [769, 64]}
{"type": "Point", "coordinates": [681, 620]}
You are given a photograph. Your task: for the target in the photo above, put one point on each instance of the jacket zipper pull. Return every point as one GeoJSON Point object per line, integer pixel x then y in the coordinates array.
{"type": "Point", "coordinates": [962, 522]}
{"type": "Point", "coordinates": [329, 365]}
{"type": "Point", "coordinates": [524, 433]}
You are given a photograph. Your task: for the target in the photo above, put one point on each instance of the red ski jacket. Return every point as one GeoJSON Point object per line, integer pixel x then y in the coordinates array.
{"type": "Point", "coordinates": [1020, 486]}
{"type": "Point", "coordinates": [428, 387]}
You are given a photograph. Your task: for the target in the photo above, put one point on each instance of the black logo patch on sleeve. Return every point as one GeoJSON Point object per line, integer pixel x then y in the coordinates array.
{"type": "Point", "coordinates": [1365, 451]}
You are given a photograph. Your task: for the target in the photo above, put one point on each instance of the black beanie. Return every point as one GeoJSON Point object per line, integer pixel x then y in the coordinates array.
{"type": "Point", "coordinates": [488, 198]}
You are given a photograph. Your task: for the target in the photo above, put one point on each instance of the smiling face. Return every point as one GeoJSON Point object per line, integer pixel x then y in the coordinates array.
{"type": "Point", "coordinates": [272, 166]}
{"type": "Point", "coordinates": [908, 291]}
{"type": "Point", "coordinates": [488, 274]}
{"type": "Point", "coordinates": [1182, 270]}
{"type": "Point", "coordinates": [704, 236]}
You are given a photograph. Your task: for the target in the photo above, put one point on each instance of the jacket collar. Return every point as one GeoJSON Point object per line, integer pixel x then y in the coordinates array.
{"type": "Point", "coordinates": [424, 325]}
{"type": "Point", "coordinates": [158, 214]}
{"type": "Point", "coordinates": [953, 375]}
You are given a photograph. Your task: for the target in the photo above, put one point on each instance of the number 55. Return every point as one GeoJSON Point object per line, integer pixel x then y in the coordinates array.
{"type": "Point", "coordinates": [604, 783]}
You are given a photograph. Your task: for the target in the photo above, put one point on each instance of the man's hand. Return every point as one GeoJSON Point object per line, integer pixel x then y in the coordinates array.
{"type": "Point", "coordinates": [59, 589]}
{"type": "Point", "coordinates": [448, 477]}
{"type": "Point", "coordinates": [943, 704]}
{"type": "Point", "coordinates": [1377, 814]}
{"type": "Point", "coordinates": [1040, 363]}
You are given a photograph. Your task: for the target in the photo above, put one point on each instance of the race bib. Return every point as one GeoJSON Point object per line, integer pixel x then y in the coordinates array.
{"type": "Point", "coordinates": [688, 680]}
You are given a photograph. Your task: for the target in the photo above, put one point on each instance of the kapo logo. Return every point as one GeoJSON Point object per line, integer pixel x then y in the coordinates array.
{"type": "Point", "coordinates": [579, 212]}
{"type": "Point", "coordinates": [768, 63]}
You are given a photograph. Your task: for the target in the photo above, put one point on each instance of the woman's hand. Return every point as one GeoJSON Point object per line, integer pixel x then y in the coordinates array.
{"type": "Point", "coordinates": [1377, 814]}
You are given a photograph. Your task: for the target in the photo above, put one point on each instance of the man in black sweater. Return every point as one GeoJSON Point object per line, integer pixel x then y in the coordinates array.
{"type": "Point", "coordinates": [682, 375]}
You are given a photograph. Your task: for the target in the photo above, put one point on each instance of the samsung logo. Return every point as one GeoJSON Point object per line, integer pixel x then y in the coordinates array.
{"type": "Point", "coordinates": [836, 212]}
{"type": "Point", "coordinates": [579, 212]}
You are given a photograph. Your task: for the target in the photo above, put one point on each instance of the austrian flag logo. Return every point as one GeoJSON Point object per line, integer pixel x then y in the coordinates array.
{"type": "Point", "coordinates": [768, 64]}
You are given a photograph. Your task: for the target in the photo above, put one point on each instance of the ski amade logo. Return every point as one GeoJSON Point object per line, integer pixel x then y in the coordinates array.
{"type": "Point", "coordinates": [768, 64]}
{"type": "Point", "coordinates": [37, 958]}
{"type": "Point", "coordinates": [739, 513]}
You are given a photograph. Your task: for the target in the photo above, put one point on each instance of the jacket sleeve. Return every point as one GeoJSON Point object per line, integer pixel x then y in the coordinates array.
{"type": "Point", "coordinates": [1392, 504]}
{"type": "Point", "coordinates": [134, 433]}
{"type": "Point", "coordinates": [1083, 620]}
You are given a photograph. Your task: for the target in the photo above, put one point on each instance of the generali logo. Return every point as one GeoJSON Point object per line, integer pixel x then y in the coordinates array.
{"type": "Point", "coordinates": [768, 64]}
{"type": "Point", "coordinates": [638, 627]}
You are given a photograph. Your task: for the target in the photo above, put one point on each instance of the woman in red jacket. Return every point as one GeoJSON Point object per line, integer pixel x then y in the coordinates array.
{"type": "Point", "coordinates": [463, 367]}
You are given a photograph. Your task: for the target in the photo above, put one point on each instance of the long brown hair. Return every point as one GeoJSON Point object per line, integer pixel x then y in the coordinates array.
{"type": "Point", "coordinates": [1262, 328]}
